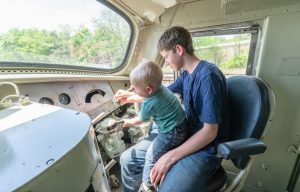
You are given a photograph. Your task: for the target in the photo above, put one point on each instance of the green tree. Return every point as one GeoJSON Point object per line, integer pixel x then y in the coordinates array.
{"type": "Point", "coordinates": [104, 45]}
{"type": "Point", "coordinates": [237, 62]}
{"type": "Point", "coordinates": [208, 48]}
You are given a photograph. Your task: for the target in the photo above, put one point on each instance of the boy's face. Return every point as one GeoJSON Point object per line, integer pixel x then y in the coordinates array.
{"type": "Point", "coordinates": [140, 91]}
{"type": "Point", "coordinates": [173, 58]}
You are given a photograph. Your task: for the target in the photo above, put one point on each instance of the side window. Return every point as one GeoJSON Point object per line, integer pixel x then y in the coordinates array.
{"type": "Point", "coordinates": [168, 74]}
{"type": "Point", "coordinates": [83, 33]}
{"type": "Point", "coordinates": [233, 51]}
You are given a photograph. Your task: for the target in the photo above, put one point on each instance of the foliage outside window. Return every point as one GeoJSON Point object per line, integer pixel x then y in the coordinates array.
{"type": "Point", "coordinates": [168, 74]}
{"type": "Point", "coordinates": [80, 32]}
{"type": "Point", "coordinates": [229, 52]}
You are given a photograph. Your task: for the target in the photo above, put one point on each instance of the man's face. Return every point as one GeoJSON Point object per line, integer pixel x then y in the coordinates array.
{"type": "Point", "coordinates": [173, 59]}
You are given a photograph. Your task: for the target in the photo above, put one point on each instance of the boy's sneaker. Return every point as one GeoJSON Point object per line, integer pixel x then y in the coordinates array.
{"type": "Point", "coordinates": [145, 188]}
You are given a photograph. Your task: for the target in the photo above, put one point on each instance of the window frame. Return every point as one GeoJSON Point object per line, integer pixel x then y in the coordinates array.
{"type": "Point", "coordinates": [253, 29]}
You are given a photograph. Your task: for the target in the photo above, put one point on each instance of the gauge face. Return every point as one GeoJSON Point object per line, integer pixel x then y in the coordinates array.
{"type": "Point", "coordinates": [64, 99]}
{"type": "Point", "coordinates": [46, 100]}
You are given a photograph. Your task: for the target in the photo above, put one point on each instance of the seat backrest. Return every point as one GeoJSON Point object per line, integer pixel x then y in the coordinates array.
{"type": "Point", "coordinates": [249, 99]}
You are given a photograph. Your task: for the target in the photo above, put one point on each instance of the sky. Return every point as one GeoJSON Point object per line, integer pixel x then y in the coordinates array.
{"type": "Point", "coordinates": [47, 14]}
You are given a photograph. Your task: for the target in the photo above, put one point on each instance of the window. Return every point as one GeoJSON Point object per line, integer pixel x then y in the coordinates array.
{"type": "Point", "coordinates": [66, 33]}
{"type": "Point", "coordinates": [168, 74]}
{"type": "Point", "coordinates": [231, 49]}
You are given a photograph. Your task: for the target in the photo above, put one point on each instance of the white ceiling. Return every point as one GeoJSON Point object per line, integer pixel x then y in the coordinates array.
{"type": "Point", "coordinates": [150, 9]}
{"type": "Point", "coordinates": [153, 9]}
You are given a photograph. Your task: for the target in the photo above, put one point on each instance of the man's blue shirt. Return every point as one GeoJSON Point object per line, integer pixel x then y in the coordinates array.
{"type": "Point", "coordinates": [205, 98]}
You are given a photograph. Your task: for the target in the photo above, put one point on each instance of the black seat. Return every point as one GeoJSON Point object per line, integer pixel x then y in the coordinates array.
{"type": "Point", "coordinates": [251, 101]}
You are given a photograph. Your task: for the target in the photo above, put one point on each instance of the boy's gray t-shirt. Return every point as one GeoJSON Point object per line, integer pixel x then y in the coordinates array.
{"type": "Point", "coordinates": [165, 109]}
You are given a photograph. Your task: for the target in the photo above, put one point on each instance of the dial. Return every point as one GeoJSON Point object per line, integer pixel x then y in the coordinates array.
{"type": "Point", "coordinates": [64, 99]}
{"type": "Point", "coordinates": [46, 100]}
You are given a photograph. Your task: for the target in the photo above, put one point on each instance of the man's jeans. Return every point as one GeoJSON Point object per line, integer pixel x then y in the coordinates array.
{"type": "Point", "coordinates": [189, 174]}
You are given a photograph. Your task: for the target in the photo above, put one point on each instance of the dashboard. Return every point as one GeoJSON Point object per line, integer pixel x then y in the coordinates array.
{"type": "Point", "coordinates": [91, 97]}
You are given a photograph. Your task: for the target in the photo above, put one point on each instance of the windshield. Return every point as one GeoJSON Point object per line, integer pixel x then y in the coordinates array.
{"type": "Point", "coordinates": [70, 32]}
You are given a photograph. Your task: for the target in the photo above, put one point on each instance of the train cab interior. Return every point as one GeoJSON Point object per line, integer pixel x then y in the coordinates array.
{"type": "Point", "coordinates": [62, 62]}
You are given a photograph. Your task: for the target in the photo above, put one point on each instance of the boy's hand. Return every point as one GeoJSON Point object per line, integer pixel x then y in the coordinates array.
{"type": "Point", "coordinates": [122, 95]}
{"type": "Point", "coordinates": [131, 122]}
{"type": "Point", "coordinates": [135, 98]}
{"type": "Point", "coordinates": [127, 123]}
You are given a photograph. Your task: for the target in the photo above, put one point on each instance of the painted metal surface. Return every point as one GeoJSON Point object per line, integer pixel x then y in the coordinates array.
{"type": "Point", "coordinates": [35, 137]}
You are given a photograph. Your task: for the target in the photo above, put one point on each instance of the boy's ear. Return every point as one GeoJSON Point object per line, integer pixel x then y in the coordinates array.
{"type": "Point", "coordinates": [149, 89]}
{"type": "Point", "coordinates": [179, 49]}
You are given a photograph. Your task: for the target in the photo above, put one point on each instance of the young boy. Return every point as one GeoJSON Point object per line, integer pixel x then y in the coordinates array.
{"type": "Point", "coordinates": [166, 111]}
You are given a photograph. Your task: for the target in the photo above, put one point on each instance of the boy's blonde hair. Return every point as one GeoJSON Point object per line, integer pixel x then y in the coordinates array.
{"type": "Point", "coordinates": [147, 74]}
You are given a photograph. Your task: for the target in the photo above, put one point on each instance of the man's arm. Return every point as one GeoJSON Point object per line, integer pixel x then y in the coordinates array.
{"type": "Point", "coordinates": [199, 140]}
{"type": "Point", "coordinates": [177, 86]}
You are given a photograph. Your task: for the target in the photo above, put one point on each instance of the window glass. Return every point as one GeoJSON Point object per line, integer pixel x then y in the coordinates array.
{"type": "Point", "coordinates": [229, 52]}
{"type": "Point", "coordinates": [74, 32]}
{"type": "Point", "coordinates": [168, 74]}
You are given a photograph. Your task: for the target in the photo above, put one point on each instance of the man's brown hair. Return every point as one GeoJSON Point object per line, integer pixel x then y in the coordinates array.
{"type": "Point", "coordinates": [176, 36]}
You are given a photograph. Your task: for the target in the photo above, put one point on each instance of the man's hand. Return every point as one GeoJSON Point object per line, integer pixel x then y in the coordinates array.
{"type": "Point", "coordinates": [161, 168]}
{"type": "Point", "coordinates": [200, 139]}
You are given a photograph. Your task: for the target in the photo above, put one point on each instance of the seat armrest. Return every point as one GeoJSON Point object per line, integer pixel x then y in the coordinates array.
{"type": "Point", "coordinates": [241, 148]}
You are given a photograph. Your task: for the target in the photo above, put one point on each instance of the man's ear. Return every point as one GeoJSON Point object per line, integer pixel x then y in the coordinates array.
{"type": "Point", "coordinates": [179, 49]}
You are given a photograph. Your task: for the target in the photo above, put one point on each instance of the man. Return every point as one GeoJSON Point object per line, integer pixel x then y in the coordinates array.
{"type": "Point", "coordinates": [189, 166]}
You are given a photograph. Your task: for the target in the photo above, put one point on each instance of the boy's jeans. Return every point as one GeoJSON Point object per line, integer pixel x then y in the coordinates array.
{"type": "Point", "coordinates": [163, 143]}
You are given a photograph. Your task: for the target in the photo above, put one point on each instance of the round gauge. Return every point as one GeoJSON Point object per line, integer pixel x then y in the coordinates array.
{"type": "Point", "coordinates": [46, 100]}
{"type": "Point", "coordinates": [64, 99]}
